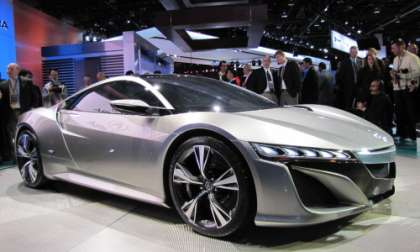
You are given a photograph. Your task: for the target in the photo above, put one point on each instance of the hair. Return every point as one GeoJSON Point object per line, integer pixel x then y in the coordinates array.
{"type": "Point", "coordinates": [322, 66]}
{"type": "Point", "coordinates": [221, 63]}
{"type": "Point", "coordinates": [53, 69]}
{"type": "Point", "coordinates": [307, 60]}
{"type": "Point", "coordinates": [279, 52]}
{"type": "Point", "coordinates": [129, 72]}
{"type": "Point", "coordinates": [24, 73]}
{"type": "Point", "coordinates": [354, 47]}
{"type": "Point", "coordinates": [399, 42]}
{"type": "Point", "coordinates": [373, 50]}
{"type": "Point", "coordinates": [376, 66]}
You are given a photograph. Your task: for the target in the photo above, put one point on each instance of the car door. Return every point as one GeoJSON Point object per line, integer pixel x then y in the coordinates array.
{"type": "Point", "coordinates": [107, 143]}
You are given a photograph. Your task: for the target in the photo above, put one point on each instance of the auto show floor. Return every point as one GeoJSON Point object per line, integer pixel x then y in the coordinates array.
{"type": "Point", "coordinates": [65, 217]}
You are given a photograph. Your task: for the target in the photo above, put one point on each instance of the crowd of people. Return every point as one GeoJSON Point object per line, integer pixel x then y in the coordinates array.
{"type": "Point", "coordinates": [384, 94]}
{"type": "Point", "coordinates": [19, 94]}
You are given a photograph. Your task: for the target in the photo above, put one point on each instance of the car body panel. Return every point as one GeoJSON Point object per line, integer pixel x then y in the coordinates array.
{"type": "Point", "coordinates": [125, 153]}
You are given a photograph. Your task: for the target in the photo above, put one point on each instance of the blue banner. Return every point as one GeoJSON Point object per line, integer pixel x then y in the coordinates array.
{"type": "Point", "coordinates": [7, 36]}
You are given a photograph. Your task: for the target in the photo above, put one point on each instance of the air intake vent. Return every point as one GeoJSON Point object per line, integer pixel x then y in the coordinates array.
{"type": "Point", "coordinates": [112, 65]}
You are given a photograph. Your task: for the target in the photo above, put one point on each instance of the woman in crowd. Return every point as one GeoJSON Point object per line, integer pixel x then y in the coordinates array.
{"type": "Point", "coordinates": [232, 77]}
{"type": "Point", "coordinates": [370, 71]}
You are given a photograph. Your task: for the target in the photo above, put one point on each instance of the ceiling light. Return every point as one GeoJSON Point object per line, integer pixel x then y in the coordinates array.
{"type": "Point", "coordinates": [316, 25]}
{"type": "Point", "coordinates": [312, 46]}
{"type": "Point", "coordinates": [322, 20]}
{"type": "Point", "coordinates": [325, 50]}
{"type": "Point", "coordinates": [200, 36]}
{"type": "Point", "coordinates": [284, 15]}
{"type": "Point", "coordinates": [128, 21]}
{"type": "Point", "coordinates": [348, 33]}
{"type": "Point", "coordinates": [353, 27]}
{"type": "Point", "coordinates": [376, 11]}
{"type": "Point", "coordinates": [346, 23]}
{"type": "Point", "coordinates": [359, 31]}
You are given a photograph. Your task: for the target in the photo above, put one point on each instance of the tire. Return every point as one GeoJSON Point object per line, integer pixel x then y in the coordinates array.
{"type": "Point", "coordinates": [29, 159]}
{"type": "Point", "coordinates": [216, 200]}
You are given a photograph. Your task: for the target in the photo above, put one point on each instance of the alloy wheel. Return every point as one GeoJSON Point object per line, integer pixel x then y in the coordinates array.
{"type": "Point", "coordinates": [28, 158]}
{"type": "Point", "coordinates": [206, 187]}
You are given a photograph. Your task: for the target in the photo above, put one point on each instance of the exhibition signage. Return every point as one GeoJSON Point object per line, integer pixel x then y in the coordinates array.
{"type": "Point", "coordinates": [7, 36]}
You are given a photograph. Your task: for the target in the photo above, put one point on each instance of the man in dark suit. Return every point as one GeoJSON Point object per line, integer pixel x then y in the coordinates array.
{"type": "Point", "coordinates": [346, 79]}
{"type": "Point", "coordinates": [310, 84]}
{"type": "Point", "coordinates": [287, 81]}
{"type": "Point", "coordinates": [16, 97]}
{"type": "Point", "coordinates": [261, 80]}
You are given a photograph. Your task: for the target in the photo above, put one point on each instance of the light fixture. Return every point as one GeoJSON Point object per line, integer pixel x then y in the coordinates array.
{"type": "Point", "coordinates": [200, 36]}
{"type": "Point", "coordinates": [325, 50]}
{"type": "Point", "coordinates": [284, 14]}
{"type": "Point", "coordinates": [376, 11]}
{"type": "Point", "coordinates": [312, 46]}
{"type": "Point", "coordinates": [348, 33]}
{"type": "Point", "coordinates": [322, 20]}
{"type": "Point", "coordinates": [275, 152]}
{"type": "Point", "coordinates": [346, 22]}
{"type": "Point", "coordinates": [359, 31]}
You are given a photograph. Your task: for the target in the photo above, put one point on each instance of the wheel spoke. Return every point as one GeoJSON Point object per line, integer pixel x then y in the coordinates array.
{"type": "Point", "coordinates": [220, 217]}
{"type": "Point", "coordinates": [33, 173]}
{"type": "Point", "coordinates": [22, 153]}
{"type": "Point", "coordinates": [25, 169]}
{"type": "Point", "coordinates": [201, 154]}
{"type": "Point", "coordinates": [227, 181]}
{"type": "Point", "coordinates": [190, 207]}
{"type": "Point", "coordinates": [183, 176]}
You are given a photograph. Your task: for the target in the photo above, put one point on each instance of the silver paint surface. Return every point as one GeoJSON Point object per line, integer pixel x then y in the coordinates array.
{"type": "Point", "coordinates": [129, 150]}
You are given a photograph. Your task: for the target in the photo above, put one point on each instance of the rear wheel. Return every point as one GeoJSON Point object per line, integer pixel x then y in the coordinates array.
{"type": "Point", "coordinates": [211, 187]}
{"type": "Point", "coordinates": [29, 159]}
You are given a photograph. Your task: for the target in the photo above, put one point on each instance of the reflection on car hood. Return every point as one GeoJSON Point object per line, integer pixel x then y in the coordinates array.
{"type": "Point", "coordinates": [320, 126]}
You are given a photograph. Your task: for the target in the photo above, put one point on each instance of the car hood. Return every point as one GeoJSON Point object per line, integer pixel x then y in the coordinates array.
{"type": "Point", "coordinates": [315, 126]}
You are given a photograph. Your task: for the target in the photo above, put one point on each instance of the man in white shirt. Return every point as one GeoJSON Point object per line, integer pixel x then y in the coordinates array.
{"type": "Point", "coordinates": [287, 80]}
{"type": "Point", "coordinates": [405, 74]}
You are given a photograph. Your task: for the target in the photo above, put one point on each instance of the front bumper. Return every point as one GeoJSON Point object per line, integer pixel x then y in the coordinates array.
{"type": "Point", "coordinates": [299, 193]}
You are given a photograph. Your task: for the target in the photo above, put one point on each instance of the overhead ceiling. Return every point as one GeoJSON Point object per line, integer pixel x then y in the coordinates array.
{"type": "Point", "coordinates": [289, 24]}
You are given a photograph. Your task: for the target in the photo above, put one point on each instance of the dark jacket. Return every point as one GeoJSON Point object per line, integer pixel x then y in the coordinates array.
{"type": "Point", "coordinates": [379, 111]}
{"type": "Point", "coordinates": [346, 83]}
{"type": "Point", "coordinates": [365, 77]}
{"type": "Point", "coordinates": [291, 76]}
{"type": "Point", "coordinates": [310, 87]}
{"type": "Point", "coordinates": [257, 82]}
{"type": "Point", "coordinates": [26, 97]}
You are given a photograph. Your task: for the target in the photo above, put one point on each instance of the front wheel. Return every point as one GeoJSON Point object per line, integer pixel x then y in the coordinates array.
{"type": "Point", "coordinates": [29, 159]}
{"type": "Point", "coordinates": [211, 187]}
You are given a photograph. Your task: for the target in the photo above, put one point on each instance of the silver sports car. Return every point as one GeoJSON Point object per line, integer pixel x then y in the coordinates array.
{"type": "Point", "coordinates": [223, 157]}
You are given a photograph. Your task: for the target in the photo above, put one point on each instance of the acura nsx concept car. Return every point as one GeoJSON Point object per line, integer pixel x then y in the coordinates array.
{"type": "Point", "coordinates": [222, 156]}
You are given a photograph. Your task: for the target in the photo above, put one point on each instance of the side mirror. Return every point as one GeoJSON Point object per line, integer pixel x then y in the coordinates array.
{"type": "Point", "coordinates": [135, 105]}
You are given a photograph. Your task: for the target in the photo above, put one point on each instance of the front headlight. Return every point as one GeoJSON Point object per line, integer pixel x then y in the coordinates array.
{"type": "Point", "coordinates": [281, 153]}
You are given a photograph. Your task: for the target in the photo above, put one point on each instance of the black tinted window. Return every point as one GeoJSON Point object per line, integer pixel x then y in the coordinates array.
{"type": "Point", "coordinates": [98, 99]}
{"type": "Point", "coordinates": [203, 94]}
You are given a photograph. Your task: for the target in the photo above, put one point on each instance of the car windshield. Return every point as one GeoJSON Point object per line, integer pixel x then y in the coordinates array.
{"type": "Point", "coordinates": [193, 93]}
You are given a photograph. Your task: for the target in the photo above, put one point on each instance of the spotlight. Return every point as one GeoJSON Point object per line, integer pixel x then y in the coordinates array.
{"type": "Point", "coordinates": [322, 20]}
{"type": "Point", "coordinates": [346, 23]}
{"type": "Point", "coordinates": [376, 11]}
{"type": "Point", "coordinates": [284, 15]}
{"type": "Point", "coordinates": [312, 46]}
{"type": "Point", "coordinates": [94, 39]}
{"type": "Point", "coordinates": [87, 38]}
{"type": "Point", "coordinates": [325, 50]}
{"type": "Point", "coordinates": [348, 33]}
{"type": "Point", "coordinates": [359, 31]}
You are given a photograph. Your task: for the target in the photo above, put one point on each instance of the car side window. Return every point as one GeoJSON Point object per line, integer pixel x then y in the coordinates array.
{"type": "Point", "coordinates": [99, 98]}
